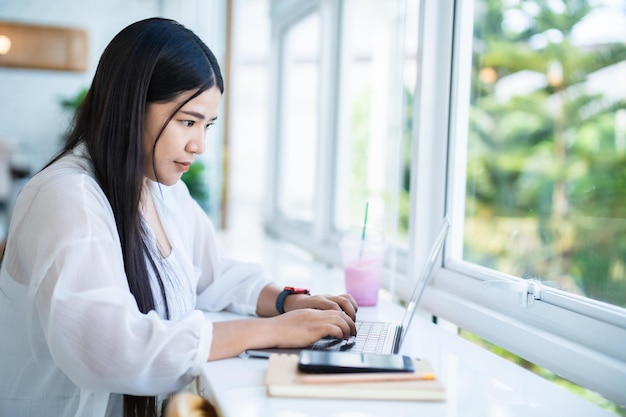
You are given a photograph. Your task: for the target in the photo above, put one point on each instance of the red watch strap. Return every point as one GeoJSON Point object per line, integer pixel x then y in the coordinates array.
{"type": "Point", "coordinates": [296, 290]}
{"type": "Point", "coordinates": [280, 300]}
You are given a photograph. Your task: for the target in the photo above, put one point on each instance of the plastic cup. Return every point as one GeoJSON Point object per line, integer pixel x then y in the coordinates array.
{"type": "Point", "coordinates": [363, 263]}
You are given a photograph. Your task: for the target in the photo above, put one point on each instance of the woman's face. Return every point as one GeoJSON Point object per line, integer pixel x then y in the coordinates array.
{"type": "Point", "coordinates": [183, 138]}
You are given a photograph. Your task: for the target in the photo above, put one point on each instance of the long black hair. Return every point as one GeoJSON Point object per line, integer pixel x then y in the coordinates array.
{"type": "Point", "coordinates": [153, 60]}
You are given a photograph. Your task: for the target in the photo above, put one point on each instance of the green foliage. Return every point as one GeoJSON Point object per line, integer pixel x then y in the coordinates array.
{"type": "Point", "coordinates": [72, 103]}
{"type": "Point", "coordinates": [359, 151]}
{"type": "Point", "coordinates": [546, 159]}
{"type": "Point", "coordinates": [195, 179]}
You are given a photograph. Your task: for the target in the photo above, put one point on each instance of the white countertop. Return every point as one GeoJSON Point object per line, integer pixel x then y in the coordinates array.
{"type": "Point", "coordinates": [478, 383]}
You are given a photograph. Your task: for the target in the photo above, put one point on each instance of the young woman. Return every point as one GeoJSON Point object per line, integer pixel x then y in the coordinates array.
{"type": "Point", "coordinates": [108, 256]}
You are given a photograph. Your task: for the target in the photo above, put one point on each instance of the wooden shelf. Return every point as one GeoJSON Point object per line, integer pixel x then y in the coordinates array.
{"type": "Point", "coordinates": [44, 47]}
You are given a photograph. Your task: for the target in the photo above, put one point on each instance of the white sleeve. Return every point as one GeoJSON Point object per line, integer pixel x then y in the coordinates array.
{"type": "Point", "coordinates": [101, 340]}
{"type": "Point", "coordinates": [67, 238]}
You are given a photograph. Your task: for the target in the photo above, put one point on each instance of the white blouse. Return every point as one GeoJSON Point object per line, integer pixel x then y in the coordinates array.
{"type": "Point", "coordinates": [71, 335]}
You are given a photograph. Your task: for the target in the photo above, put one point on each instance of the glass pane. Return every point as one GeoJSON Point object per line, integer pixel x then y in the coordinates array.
{"type": "Point", "coordinates": [299, 119]}
{"type": "Point", "coordinates": [546, 168]}
{"type": "Point", "coordinates": [378, 79]}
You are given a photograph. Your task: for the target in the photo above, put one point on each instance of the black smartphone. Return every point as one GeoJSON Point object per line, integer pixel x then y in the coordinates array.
{"type": "Point", "coordinates": [314, 361]}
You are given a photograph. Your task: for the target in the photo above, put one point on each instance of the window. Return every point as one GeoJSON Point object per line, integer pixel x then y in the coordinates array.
{"type": "Point", "coordinates": [546, 145]}
{"type": "Point", "coordinates": [507, 115]}
{"type": "Point", "coordinates": [299, 121]}
{"type": "Point", "coordinates": [533, 167]}
{"type": "Point", "coordinates": [377, 82]}
{"type": "Point", "coordinates": [343, 138]}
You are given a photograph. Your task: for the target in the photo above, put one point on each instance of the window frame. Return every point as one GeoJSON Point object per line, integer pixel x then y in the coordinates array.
{"type": "Point", "coordinates": [319, 237]}
{"type": "Point", "coordinates": [316, 237]}
{"type": "Point", "coordinates": [565, 333]}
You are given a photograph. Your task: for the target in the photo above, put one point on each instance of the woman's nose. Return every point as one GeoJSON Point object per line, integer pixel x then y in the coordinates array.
{"type": "Point", "coordinates": [196, 144]}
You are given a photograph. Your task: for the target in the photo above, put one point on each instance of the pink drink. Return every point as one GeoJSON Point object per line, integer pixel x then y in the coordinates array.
{"type": "Point", "coordinates": [363, 257]}
{"type": "Point", "coordinates": [363, 279]}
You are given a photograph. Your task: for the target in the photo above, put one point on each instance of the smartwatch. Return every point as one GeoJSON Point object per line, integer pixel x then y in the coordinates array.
{"type": "Point", "coordinates": [280, 300]}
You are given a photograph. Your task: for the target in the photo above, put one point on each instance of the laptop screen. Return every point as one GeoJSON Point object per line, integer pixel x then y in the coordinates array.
{"type": "Point", "coordinates": [424, 277]}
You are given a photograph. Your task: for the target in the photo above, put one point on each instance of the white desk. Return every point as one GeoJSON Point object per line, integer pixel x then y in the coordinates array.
{"type": "Point", "coordinates": [478, 383]}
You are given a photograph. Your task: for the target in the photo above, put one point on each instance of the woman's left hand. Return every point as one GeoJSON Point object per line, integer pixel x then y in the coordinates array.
{"type": "Point", "coordinates": [342, 302]}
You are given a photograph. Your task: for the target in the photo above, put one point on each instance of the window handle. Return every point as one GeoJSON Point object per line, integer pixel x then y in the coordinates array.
{"type": "Point", "coordinates": [528, 290]}
{"type": "Point", "coordinates": [534, 290]}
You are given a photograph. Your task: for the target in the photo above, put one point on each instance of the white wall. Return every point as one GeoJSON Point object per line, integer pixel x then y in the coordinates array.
{"type": "Point", "coordinates": [31, 118]}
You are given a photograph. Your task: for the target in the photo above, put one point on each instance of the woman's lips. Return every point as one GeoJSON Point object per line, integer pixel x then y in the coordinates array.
{"type": "Point", "coordinates": [183, 166]}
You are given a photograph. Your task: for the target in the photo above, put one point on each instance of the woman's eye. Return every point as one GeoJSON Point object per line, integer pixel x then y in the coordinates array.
{"type": "Point", "coordinates": [208, 126]}
{"type": "Point", "coordinates": [188, 123]}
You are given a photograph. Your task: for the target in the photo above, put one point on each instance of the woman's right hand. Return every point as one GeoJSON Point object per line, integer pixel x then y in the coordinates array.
{"type": "Point", "coordinates": [297, 328]}
{"type": "Point", "coordinates": [302, 327]}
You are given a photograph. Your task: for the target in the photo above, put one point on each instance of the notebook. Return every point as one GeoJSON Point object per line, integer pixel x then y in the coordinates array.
{"type": "Point", "coordinates": [378, 337]}
{"type": "Point", "coordinates": [283, 380]}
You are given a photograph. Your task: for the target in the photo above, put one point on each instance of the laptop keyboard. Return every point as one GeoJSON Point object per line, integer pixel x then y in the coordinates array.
{"type": "Point", "coordinates": [370, 338]}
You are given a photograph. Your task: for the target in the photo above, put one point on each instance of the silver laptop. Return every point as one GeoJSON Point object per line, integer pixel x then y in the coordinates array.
{"type": "Point", "coordinates": [377, 337]}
